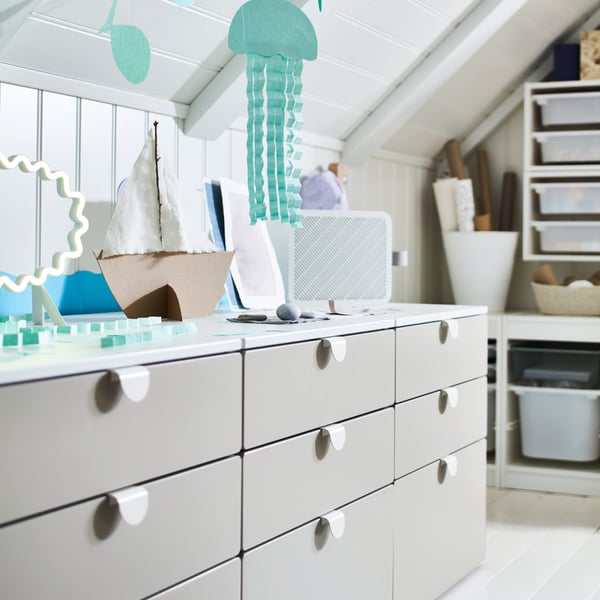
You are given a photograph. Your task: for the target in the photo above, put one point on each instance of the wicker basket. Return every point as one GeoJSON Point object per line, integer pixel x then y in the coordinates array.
{"type": "Point", "coordinates": [564, 300]}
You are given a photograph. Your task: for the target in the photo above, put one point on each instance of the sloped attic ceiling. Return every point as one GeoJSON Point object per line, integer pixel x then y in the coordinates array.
{"type": "Point", "coordinates": [402, 75]}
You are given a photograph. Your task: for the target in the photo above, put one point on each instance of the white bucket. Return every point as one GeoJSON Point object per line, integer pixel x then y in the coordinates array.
{"type": "Point", "coordinates": [480, 265]}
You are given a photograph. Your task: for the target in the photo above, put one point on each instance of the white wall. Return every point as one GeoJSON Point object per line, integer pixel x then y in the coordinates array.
{"type": "Point", "coordinates": [401, 186]}
{"type": "Point", "coordinates": [96, 145]}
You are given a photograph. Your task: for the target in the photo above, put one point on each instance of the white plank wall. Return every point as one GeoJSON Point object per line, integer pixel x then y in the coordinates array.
{"type": "Point", "coordinates": [401, 187]}
{"type": "Point", "coordinates": [97, 143]}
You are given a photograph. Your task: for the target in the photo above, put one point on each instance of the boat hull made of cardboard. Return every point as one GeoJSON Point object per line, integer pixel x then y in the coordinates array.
{"type": "Point", "coordinates": [172, 285]}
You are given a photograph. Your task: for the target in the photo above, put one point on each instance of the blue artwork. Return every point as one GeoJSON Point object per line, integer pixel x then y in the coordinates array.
{"type": "Point", "coordinates": [77, 294]}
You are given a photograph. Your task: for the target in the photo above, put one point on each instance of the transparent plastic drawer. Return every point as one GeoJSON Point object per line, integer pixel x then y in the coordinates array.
{"type": "Point", "coordinates": [569, 146]}
{"type": "Point", "coordinates": [568, 198]}
{"type": "Point", "coordinates": [569, 236]}
{"type": "Point", "coordinates": [569, 109]}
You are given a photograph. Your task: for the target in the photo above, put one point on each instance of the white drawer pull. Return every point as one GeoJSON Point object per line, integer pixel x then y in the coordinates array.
{"type": "Point", "coordinates": [452, 328]}
{"type": "Point", "coordinates": [336, 521]}
{"type": "Point", "coordinates": [134, 381]}
{"type": "Point", "coordinates": [336, 434]}
{"type": "Point", "coordinates": [337, 345]}
{"type": "Point", "coordinates": [451, 396]}
{"type": "Point", "coordinates": [132, 503]}
{"type": "Point", "coordinates": [451, 464]}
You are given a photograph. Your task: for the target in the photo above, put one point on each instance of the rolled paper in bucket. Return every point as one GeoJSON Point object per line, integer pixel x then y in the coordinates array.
{"type": "Point", "coordinates": [455, 159]}
{"type": "Point", "coordinates": [465, 205]}
{"type": "Point", "coordinates": [445, 201]}
{"type": "Point", "coordinates": [480, 264]}
{"type": "Point", "coordinates": [483, 222]}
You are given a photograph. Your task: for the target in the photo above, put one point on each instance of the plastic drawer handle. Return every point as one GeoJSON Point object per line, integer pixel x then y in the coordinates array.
{"type": "Point", "coordinates": [134, 381]}
{"type": "Point", "coordinates": [451, 464]}
{"type": "Point", "coordinates": [337, 346]}
{"type": "Point", "coordinates": [336, 434]}
{"type": "Point", "coordinates": [451, 396]}
{"type": "Point", "coordinates": [132, 503]}
{"type": "Point", "coordinates": [452, 326]}
{"type": "Point", "coordinates": [336, 521]}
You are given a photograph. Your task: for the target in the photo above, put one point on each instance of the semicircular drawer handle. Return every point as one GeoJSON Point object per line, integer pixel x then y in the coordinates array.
{"type": "Point", "coordinates": [451, 464]}
{"type": "Point", "coordinates": [451, 325]}
{"type": "Point", "coordinates": [132, 503]}
{"type": "Point", "coordinates": [134, 382]}
{"type": "Point", "coordinates": [336, 521]}
{"type": "Point", "coordinates": [337, 347]}
{"type": "Point", "coordinates": [336, 435]}
{"type": "Point", "coordinates": [450, 395]}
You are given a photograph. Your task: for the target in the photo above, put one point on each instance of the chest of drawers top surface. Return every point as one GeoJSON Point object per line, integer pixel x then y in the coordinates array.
{"type": "Point", "coordinates": [214, 335]}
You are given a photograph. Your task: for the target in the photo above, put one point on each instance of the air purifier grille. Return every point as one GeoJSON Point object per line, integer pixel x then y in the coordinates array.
{"type": "Point", "coordinates": [341, 255]}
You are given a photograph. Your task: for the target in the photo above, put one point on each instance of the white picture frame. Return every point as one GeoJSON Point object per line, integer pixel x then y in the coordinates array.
{"type": "Point", "coordinates": [254, 268]}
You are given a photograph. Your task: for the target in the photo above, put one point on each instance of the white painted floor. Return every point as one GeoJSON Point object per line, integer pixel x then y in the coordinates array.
{"type": "Point", "coordinates": [539, 547]}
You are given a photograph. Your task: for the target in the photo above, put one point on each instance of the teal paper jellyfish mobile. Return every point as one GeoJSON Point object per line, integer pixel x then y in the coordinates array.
{"type": "Point", "coordinates": [276, 36]}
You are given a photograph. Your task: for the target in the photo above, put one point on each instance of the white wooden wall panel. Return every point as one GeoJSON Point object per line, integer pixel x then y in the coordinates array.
{"type": "Point", "coordinates": [58, 149]}
{"type": "Point", "coordinates": [403, 191]}
{"type": "Point", "coordinates": [97, 180]}
{"type": "Point", "coordinates": [191, 166]}
{"type": "Point", "coordinates": [346, 86]}
{"type": "Point", "coordinates": [111, 137]}
{"type": "Point", "coordinates": [349, 41]}
{"type": "Point", "coordinates": [66, 47]}
{"type": "Point", "coordinates": [132, 127]}
{"type": "Point", "coordinates": [18, 135]}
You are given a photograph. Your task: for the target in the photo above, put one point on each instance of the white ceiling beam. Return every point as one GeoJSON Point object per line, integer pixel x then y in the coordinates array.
{"type": "Point", "coordinates": [222, 100]}
{"type": "Point", "coordinates": [515, 99]}
{"type": "Point", "coordinates": [423, 82]}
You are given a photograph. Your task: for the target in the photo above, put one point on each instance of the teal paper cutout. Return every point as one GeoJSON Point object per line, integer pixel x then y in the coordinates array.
{"type": "Point", "coordinates": [130, 48]}
{"type": "Point", "coordinates": [320, 6]}
{"type": "Point", "coordinates": [276, 36]}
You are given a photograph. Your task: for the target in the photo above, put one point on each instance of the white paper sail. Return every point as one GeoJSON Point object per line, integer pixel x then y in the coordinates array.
{"type": "Point", "coordinates": [134, 227]}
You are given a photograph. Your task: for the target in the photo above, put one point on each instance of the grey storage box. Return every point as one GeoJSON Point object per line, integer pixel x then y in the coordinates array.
{"type": "Point", "coordinates": [559, 424]}
{"type": "Point", "coordinates": [577, 366]}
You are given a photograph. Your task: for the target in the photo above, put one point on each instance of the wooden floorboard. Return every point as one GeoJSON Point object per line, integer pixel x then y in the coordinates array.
{"type": "Point", "coordinates": [540, 546]}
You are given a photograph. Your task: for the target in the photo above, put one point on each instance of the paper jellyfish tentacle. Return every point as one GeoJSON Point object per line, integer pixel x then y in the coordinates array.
{"type": "Point", "coordinates": [275, 152]}
{"type": "Point", "coordinates": [276, 36]}
{"type": "Point", "coordinates": [256, 81]}
{"type": "Point", "coordinates": [294, 124]}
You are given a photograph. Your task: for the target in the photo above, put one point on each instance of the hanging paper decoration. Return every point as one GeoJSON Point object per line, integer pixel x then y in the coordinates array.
{"type": "Point", "coordinates": [276, 36]}
{"type": "Point", "coordinates": [130, 48]}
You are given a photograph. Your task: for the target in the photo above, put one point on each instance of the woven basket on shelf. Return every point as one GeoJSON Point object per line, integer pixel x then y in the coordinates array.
{"type": "Point", "coordinates": [564, 300]}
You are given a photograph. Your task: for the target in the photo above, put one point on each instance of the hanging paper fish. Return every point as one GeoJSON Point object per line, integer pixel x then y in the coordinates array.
{"type": "Point", "coordinates": [276, 36]}
{"type": "Point", "coordinates": [130, 48]}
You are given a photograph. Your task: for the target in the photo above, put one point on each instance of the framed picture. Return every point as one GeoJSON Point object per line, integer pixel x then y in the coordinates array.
{"type": "Point", "coordinates": [254, 269]}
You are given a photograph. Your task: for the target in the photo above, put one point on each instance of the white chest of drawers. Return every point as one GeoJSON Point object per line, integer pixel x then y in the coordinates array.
{"type": "Point", "coordinates": [267, 464]}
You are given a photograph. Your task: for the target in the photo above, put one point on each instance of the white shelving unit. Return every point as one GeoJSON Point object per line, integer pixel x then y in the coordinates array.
{"type": "Point", "coordinates": [513, 468]}
{"type": "Point", "coordinates": [561, 174]}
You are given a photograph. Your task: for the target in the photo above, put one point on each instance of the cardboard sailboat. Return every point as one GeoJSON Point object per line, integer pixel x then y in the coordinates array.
{"type": "Point", "coordinates": [147, 260]}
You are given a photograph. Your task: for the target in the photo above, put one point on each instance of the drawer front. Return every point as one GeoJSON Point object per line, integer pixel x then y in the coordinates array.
{"type": "Point", "coordinates": [290, 482]}
{"type": "Point", "coordinates": [432, 426]}
{"type": "Point", "coordinates": [439, 525]}
{"type": "Point", "coordinates": [301, 386]}
{"type": "Point", "coordinates": [311, 563]}
{"type": "Point", "coordinates": [90, 551]}
{"type": "Point", "coordinates": [76, 437]}
{"type": "Point", "coordinates": [436, 355]}
{"type": "Point", "coordinates": [221, 583]}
